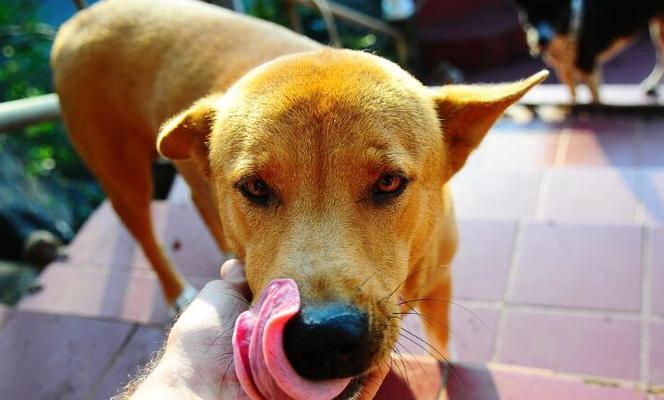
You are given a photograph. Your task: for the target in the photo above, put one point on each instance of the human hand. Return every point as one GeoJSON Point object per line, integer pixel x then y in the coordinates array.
{"type": "Point", "coordinates": [197, 360]}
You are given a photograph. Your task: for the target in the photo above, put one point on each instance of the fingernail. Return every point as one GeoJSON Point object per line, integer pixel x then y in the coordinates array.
{"type": "Point", "coordinates": [233, 271]}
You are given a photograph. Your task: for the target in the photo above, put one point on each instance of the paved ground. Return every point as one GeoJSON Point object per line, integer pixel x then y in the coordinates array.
{"type": "Point", "coordinates": [560, 268]}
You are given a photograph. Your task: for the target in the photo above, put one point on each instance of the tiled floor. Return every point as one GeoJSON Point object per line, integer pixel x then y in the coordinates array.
{"type": "Point", "coordinates": [560, 267]}
{"type": "Point", "coordinates": [562, 255]}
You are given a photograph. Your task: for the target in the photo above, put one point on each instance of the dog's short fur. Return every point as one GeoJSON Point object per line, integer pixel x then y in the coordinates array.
{"type": "Point", "coordinates": [576, 36]}
{"type": "Point", "coordinates": [288, 147]}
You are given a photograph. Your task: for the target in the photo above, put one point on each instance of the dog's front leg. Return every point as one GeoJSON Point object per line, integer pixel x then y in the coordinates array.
{"type": "Point", "coordinates": [592, 80]}
{"type": "Point", "coordinates": [651, 84]}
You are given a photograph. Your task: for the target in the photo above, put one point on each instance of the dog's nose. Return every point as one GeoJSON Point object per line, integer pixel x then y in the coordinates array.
{"type": "Point", "coordinates": [328, 341]}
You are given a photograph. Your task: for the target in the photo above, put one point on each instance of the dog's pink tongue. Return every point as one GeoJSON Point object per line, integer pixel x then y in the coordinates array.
{"type": "Point", "coordinates": [260, 361]}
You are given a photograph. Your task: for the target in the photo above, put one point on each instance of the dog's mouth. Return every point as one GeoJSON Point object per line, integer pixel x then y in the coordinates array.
{"type": "Point", "coordinates": [283, 350]}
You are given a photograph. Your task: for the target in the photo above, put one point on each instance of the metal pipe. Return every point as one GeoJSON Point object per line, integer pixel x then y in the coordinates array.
{"type": "Point", "coordinates": [18, 114]}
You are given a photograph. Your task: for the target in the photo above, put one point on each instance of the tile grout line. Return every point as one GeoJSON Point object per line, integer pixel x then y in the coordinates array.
{"type": "Point", "coordinates": [545, 174]}
{"type": "Point", "coordinates": [646, 297]}
{"type": "Point", "coordinates": [111, 362]}
{"type": "Point", "coordinates": [563, 147]}
{"type": "Point", "coordinates": [558, 310]}
{"type": "Point", "coordinates": [641, 214]}
{"type": "Point", "coordinates": [509, 284]}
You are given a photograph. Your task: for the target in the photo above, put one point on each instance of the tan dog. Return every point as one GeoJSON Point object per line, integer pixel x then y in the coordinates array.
{"type": "Point", "coordinates": [325, 166]}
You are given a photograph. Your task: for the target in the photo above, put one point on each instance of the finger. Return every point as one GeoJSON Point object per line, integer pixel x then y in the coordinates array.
{"type": "Point", "coordinates": [232, 271]}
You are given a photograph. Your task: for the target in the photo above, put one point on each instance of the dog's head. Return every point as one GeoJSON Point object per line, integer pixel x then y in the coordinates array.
{"type": "Point", "coordinates": [329, 169]}
{"type": "Point", "coordinates": [543, 20]}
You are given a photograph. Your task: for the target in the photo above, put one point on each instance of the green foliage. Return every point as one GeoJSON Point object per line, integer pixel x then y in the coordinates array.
{"type": "Point", "coordinates": [44, 149]}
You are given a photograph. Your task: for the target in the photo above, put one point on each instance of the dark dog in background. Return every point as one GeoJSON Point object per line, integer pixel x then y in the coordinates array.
{"type": "Point", "coordinates": [575, 37]}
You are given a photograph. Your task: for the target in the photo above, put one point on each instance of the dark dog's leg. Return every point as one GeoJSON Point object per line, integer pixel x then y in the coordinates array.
{"type": "Point", "coordinates": [651, 84]}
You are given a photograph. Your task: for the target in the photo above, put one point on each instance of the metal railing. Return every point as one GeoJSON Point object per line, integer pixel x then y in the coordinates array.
{"type": "Point", "coordinates": [19, 114]}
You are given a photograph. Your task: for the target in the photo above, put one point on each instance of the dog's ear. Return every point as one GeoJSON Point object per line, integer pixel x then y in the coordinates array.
{"type": "Point", "coordinates": [466, 113]}
{"type": "Point", "coordinates": [188, 130]}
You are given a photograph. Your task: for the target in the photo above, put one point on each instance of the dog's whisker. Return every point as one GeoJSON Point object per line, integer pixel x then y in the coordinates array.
{"type": "Point", "coordinates": [410, 275]}
{"type": "Point", "coordinates": [423, 344]}
{"type": "Point", "coordinates": [403, 364]}
{"type": "Point", "coordinates": [419, 364]}
{"type": "Point", "coordinates": [450, 302]}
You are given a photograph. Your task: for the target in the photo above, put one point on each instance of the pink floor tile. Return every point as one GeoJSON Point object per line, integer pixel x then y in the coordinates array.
{"type": "Point", "coordinates": [480, 157]}
{"type": "Point", "coordinates": [657, 278]}
{"type": "Point", "coordinates": [412, 378]}
{"type": "Point", "coordinates": [572, 344]}
{"type": "Point", "coordinates": [99, 292]}
{"type": "Point", "coordinates": [55, 357]}
{"type": "Point", "coordinates": [141, 348]}
{"type": "Point", "coordinates": [104, 241]}
{"type": "Point", "coordinates": [591, 195]}
{"type": "Point", "coordinates": [483, 259]}
{"type": "Point", "coordinates": [190, 244]}
{"type": "Point", "coordinates": [473, 332]}
{"type": "Point", "coordinates": [588, 147]}
{"type": "Point", "coordinates": [504, 383]}
{"type": "Point", "coordinates": [496, 194]}
{"type": "Point", "coordinates": [525, 149]}
{"type": "Point", "coordinates": [651, 194]}
{"type": "Point", "coordinates": [596, 267]}
{"type": "Point", "coordinates": [657, 353]}
{"type": "Point", "coordinates": [180, 192]}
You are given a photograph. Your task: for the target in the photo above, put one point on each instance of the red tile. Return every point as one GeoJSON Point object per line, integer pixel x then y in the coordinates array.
{"type": "Point", "coordinates": [495, 194]}
{"type": "Point", "coordinates": [99, 292]}
{"type": "Point", "coordinates": [55, 357]}
{"type": "Point", "coordinates": [597, 267]}
{"type": "Point", "coordinates": [588, 147]}
{"type": "Point", "coordinates": [483, 259]}
{"type": "Point", "coordinates": [480, 156]}
{"type": "Point", "coordinates": [412, 378]}
{"type": "Point", "coordinates": [651, 194]}
{"type": "Point", "coordinates": [501, 382]}
{"type": "Point", "coordinates": [572, 344]}
{"type": "Point", "coordinates": [657, 279]}
{"type": "Point", "coordinates": [140, 349]}
{"type": "Point", "coordinates": [651, 149]}
{"type": "Point", "coordinates": [473, 332]}
{"type": "Point", "coordinates": [591, 195]}
{"type": "Point", "coordinates": [190, 245]}
{"type": "Point", "coordinates": [104, 241]}
{"type": "Point", "coordinates": [657, 353]}
{"type": "Point", "coordinates": [522, 149]}
{"type": "Point", "coordinates": [180, 192]}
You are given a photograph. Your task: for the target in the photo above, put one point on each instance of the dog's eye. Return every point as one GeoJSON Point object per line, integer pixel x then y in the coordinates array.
{"type": "Point", "coordinates": [388, 187]}
{"type": "Point", "coordinates": [256, 191]}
